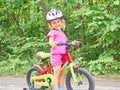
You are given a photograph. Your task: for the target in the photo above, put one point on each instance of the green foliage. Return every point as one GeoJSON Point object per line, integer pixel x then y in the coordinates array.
{"type": "Point", "coordinates": [96, 23]}
{"type": "Point", "coordinates": [103, 65]}
{"type": "Point", "coordinates": [101, 25]}
{"type": "Point", "coordinates": [18, 54]}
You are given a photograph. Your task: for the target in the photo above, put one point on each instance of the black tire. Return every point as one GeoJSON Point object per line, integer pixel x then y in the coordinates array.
{"type": "Point", "coordinates": [87, 82]}
{"type": "Point", "coordinates": [32, 72]}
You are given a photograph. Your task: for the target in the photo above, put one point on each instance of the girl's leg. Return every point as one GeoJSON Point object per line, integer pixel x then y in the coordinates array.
{"type": "Point", "coordinates": [56, 76]}
{"type": "Point", "coordinates": [61, 81]}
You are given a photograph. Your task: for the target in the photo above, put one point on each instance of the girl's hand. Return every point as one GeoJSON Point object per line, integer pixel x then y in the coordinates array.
{"type": "Point", "coordinates": [52, 43]}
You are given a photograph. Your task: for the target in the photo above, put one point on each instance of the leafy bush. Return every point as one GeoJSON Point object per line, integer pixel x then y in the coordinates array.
{"type": "Point", "coordinates": [103, 65]}
{"type": "Point", "coordinates": [20, 54]}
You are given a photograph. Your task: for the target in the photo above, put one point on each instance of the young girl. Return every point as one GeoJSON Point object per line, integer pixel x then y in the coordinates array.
{"type": "Point", "coordinates": [56, 23]}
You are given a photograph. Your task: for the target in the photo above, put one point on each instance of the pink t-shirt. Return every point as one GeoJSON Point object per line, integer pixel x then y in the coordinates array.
{"type": "Point", "coordinates": [58, 36]}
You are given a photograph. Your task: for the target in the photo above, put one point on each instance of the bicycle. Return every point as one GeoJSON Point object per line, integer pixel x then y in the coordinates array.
{"type": "Point", "coordinates": [77, 78]}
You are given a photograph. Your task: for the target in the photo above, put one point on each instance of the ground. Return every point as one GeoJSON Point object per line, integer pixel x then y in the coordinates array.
{"type": "Point", "coordinates": [18, 83]}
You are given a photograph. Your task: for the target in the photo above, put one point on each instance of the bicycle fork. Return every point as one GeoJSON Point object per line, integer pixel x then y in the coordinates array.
{"type": "Point", "coordinates": [72, 72]}
{"type": "Point", "coordinates": [74, 75]}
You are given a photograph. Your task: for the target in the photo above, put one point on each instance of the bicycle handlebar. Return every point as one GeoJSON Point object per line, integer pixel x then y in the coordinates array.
{"type": "Point", "coordinates": [61, 44]}
{"type": "Point", "coordinates": [73, 43]}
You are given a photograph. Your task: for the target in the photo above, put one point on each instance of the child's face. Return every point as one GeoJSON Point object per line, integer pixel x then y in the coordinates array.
{"type": "Point", "coordinates": [56, 24]}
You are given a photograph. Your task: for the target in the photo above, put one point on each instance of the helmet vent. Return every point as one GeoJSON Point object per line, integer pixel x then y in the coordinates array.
{"type": "Point", "coordinates": [53, 14]}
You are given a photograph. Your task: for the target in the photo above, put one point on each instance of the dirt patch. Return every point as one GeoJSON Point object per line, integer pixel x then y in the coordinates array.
{"type": "Point", "coordinates": [18, 83]}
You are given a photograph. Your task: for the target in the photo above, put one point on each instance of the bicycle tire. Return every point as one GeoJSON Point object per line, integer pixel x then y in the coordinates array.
{"type": "Point", "coordinates": [29, 75]}
{"type": "Point", "coordinates": [86, 84]}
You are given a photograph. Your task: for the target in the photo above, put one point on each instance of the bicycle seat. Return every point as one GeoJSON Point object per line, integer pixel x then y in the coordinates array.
{"type": "Point", "coordinates": [42, 55]}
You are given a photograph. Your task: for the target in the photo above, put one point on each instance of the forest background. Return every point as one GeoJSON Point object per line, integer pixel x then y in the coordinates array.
{"type": "Point", "coordinates": [23, 30]}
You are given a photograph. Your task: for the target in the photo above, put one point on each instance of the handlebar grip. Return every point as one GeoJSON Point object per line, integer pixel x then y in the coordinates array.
{"type": "Point", "coordinates": [74, 43]}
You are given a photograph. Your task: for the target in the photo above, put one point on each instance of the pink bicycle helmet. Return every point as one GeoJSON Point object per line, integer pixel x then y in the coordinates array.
{"type": "Point", "coordinates": [53, 14]}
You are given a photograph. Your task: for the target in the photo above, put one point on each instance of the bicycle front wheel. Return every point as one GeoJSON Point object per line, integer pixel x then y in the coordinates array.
{"type": "Point", "coordinates": [84, 80]}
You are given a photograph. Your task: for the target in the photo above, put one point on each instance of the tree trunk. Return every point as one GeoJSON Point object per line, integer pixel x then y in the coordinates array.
{"type": "Point", "coordinates": [82, 33]}
{"type": "Point", "coordinates": [44, 13]}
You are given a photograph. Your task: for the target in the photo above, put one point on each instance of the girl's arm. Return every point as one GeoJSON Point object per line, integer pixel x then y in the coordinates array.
{"type": "Point", "coordinates": [51, 42]}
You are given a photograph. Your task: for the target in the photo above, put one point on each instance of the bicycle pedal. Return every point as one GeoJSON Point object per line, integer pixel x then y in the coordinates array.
{"type": "Point", "coordinates": [25, 89]}
{"type": "Point", "coordinates": [31, 88]}
{"type": "Point", "coordinates": [49, 88]}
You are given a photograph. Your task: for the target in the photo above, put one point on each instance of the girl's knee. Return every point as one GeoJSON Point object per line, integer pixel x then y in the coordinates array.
{"type": "Point", "coordinates": [57, 69]}
{"type": "Point", "coordinates": [57, 74]}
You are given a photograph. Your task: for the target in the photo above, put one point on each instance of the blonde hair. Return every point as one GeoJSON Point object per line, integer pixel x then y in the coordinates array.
{"type": "Point", "coordinates": [63, 25]}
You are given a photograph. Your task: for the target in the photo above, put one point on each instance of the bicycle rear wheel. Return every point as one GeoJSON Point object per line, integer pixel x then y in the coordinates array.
{"type": "Point", "coordinates": [33, 72]}
{"type": "Point", "coordinates": [84, 80]}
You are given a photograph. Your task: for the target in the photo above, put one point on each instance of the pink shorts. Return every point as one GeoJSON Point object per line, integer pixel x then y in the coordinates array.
{"type": "Point", "coordinates": [57, 59]}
